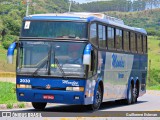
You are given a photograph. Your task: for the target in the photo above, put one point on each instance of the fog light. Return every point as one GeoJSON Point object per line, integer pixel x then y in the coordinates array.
{"type": "Point", "coordinates": [21, 94]}
{"type": "Point", "coordinates": [76, 97]}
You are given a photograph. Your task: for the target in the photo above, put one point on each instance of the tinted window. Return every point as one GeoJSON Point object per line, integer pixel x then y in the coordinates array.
{"type": "Point", "coordinates": [139, 43]}
{"type": "Point", "coordinates": [110, 38]}
{"type": "Point", "coordinates": [144, 44]}
{"type": "Point", "coordinates": [133, 42]}
{"type": "Point", "coordinates": [54, 29]}
{"type": "Point", "coordinates": [126, 40]}
{"type": "Point", "coordinates": [118, 39]}
{"type": "Point", "coordinates": [35, 56]}
{"type": "Point", "coordinates": [93, 33]}
{"type": "Point", "coordinates": [102, 36]}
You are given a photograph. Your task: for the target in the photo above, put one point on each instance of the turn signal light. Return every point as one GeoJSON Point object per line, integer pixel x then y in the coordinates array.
{"type": "Point", "coordinates": [75, 89]}
{"type": "Point", "coordinates": [23, 86]}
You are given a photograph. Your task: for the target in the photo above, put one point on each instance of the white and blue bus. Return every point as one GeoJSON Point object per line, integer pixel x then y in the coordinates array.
{"type": "Point", "coordinates": [79, 58]}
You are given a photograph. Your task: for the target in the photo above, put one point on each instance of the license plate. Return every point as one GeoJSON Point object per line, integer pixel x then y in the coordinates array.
{"type": "Point", "coordinates": [48, 97]}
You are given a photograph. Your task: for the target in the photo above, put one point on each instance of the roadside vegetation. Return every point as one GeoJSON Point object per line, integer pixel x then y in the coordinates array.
{"type": "Point", "coordinates": [8, 93]}
{"type": "Point", "coordinates": [153, 81]}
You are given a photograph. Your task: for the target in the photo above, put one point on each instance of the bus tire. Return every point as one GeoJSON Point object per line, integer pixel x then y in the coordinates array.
{"type": "Point", "coordinates": [97, 99]}
{"type": "Point", "coordinates": [39, 105]}
{"type": "Point", "coordinates": [137, 91]}
{"type": "Point", "coordinates": [134, 99]}
{"type": "Point", "coordinates": [129, 96]}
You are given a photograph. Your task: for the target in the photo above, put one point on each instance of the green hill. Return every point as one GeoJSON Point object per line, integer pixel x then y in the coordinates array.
{"type": "Point", "coordinates": [148, 19]}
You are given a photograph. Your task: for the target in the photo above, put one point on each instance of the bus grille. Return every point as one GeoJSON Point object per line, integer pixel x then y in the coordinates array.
{"type": "Point", "coordinates": [43, 88]}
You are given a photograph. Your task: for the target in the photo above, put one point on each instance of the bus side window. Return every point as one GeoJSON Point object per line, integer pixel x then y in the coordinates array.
{"type": "Point", "coordinates": [93, 33]}
{"type": "Point", "coordinates": [139, 43]}
{"type": "Point", "coordinates": [110, 33]}
{"type": "Point", "coordinates": [133, 42]}
{"type": "Point", "coordinates": [126, 40]}
{"type": "Point", "coordinates": [119, 39]}
{"type": "Point", "coordinates": [144, 44]}
{"type": "Point", "coordinates": [102, 36]}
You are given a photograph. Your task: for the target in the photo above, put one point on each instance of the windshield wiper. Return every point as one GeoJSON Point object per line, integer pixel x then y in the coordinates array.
{"type": "Point", "coordinates": [60, 68]}
{"type": "Point", "coordinates": [43, 64]}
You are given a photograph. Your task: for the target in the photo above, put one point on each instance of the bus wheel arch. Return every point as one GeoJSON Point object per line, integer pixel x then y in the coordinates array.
{"type": "Point", "coordinates": [98, 96]}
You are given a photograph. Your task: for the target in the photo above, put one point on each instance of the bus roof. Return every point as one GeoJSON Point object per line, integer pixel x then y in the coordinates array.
{"type": "Point", "coordinates": [84, 16]}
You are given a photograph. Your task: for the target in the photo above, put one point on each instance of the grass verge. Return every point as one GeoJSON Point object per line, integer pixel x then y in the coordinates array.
{"type": "Point", "coordinates": [155, 87]}
{"type": "Point", "coordinates": [8, 96]}
{"type": "Point", "coordinates": [8, 93]}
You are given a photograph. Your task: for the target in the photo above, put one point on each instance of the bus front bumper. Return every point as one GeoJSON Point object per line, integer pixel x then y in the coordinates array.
{"type": "Point", "coordinates": [64, 97]}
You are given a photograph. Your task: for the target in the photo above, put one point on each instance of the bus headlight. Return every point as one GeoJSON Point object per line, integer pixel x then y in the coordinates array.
{"type": "Point", "coordinates": [23, 86]}
{"type": "Point", "coordinates": [75, 89]}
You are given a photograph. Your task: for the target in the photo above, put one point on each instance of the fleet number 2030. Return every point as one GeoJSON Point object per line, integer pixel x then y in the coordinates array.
{"type": "Point", "coordinates": [24, 80]}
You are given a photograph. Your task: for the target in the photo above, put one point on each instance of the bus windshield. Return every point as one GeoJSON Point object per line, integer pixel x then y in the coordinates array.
{"type": "Point", "coordinates": [60, 59]}
{"type": "Point", "coordinates": [53, 29]}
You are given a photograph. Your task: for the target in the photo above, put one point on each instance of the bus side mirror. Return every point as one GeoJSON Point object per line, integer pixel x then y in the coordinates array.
{"type": "Point", "coordinates": [10, 53]}
{"type": "Point", "coordinates": [87, 55]}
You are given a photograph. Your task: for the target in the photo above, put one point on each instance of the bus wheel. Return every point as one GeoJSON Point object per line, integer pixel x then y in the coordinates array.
{"type": "Point", "coordinates": [97, 99]}
{"type": "Point", "coordinates": [39, 105]}
{"type": "Point", "coordinates": [129, 96]}
{"type": "Point", "coordinates": [135, 94]}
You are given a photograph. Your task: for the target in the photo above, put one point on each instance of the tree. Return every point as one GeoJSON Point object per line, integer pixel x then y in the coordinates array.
{"type": "Point", "coordinates": [139, 5]}
{"type": "Point", "coordinates": [153, 3]}
{"type": "Point", "coordinates": [1, 26]}
{"type": "Point", "coordinates": [12, 22]}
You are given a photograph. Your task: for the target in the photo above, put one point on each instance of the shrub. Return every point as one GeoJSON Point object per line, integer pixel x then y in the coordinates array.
{"type": "Point", "coordinates": [21, 105]}
{"type": "Point", "coordinates": [8, 39]}
{"type": "Point", "coordinates": [151, 31]}
{"type": "Point", "coordinates": [9, 105]}
{"type": "Point", "coordinates": [154, 77]}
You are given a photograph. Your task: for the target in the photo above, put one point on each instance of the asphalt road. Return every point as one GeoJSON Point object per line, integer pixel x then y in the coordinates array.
{"type": "Point", "coordinates": [148, 102]}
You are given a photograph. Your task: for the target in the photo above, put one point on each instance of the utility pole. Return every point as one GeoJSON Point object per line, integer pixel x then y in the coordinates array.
{"type": "Point", "coordinates": [27, 7]}
{"type": "Point", "coordinates": [70, 6]}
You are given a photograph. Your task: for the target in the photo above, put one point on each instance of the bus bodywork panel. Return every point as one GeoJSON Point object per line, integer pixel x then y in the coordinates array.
{"type": "Point", "coordinates": [118, 69]}
{"type": "Point", "coordinates": [57, 88]}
